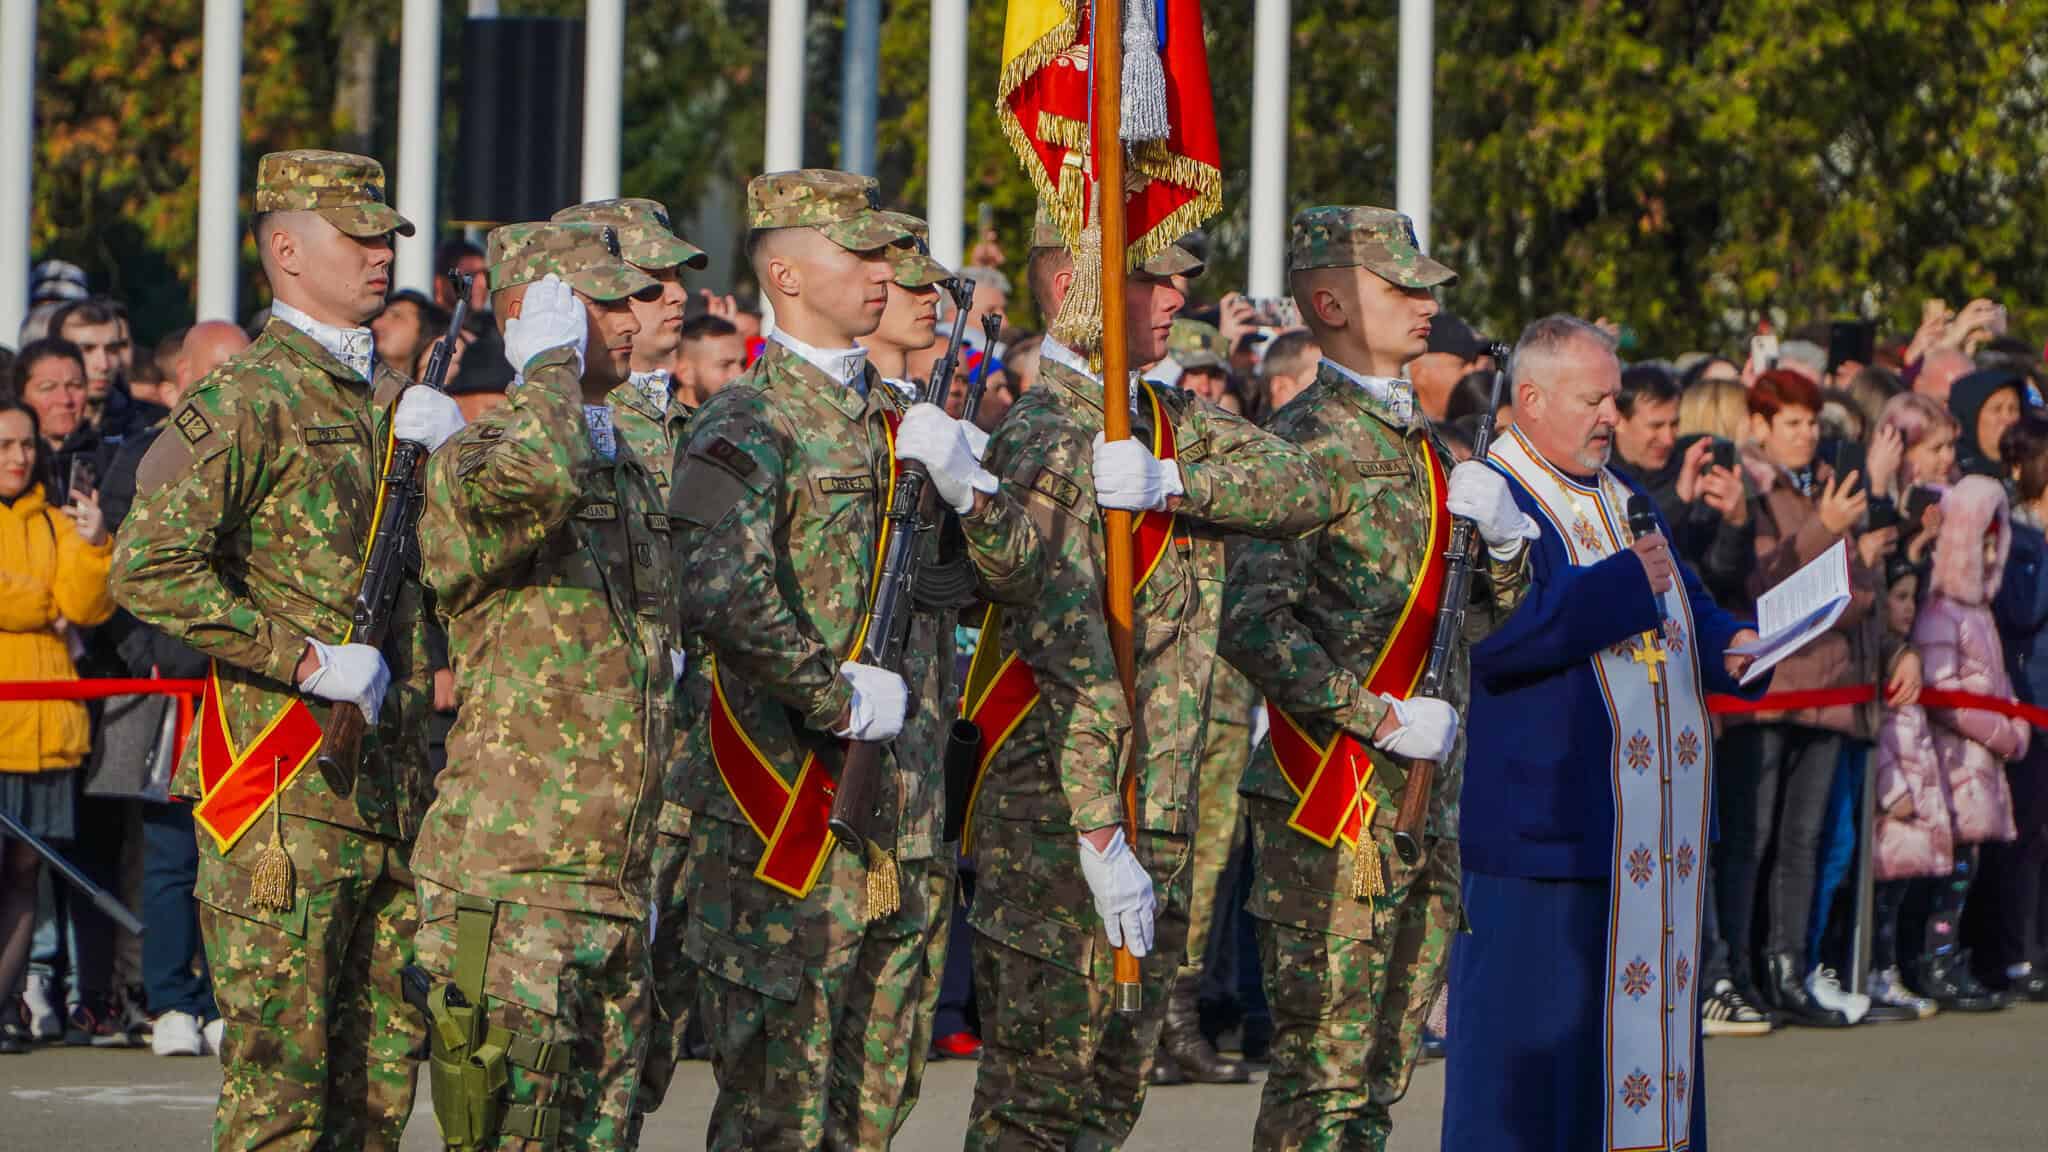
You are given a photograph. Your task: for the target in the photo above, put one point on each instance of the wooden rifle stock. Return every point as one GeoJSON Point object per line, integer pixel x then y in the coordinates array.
{"type": "Point", "coordinates": [395, 530]}
{"type": "Point", "coordinates": [1412, 817]}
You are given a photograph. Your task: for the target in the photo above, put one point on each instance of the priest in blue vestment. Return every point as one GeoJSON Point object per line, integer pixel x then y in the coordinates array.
{"type": "Point", "coordinates": [1574, 1019]}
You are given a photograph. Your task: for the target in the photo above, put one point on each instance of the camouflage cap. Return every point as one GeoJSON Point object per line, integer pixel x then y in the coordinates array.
{"type": "Point", "coordinates": [1350, 236]}
{"type": "Point", "coordinates": [912, 258]}
{"type": "Point", "coordinates": [1196, 346]}
{"type": "Point", "coordinates": [646, 238]}
{"type": "Point", "coordinates": [839, 204]}
{"type": "Point", "coordinates": [346, 189]}
{"type": "Point", "coordinates": [1174, 261]}
{"type": "Point", "coordinates": [585, 255]}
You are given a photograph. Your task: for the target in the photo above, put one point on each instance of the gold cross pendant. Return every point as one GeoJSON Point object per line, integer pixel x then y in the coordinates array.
{"type": "Point", "coordinates": [1650, 654]}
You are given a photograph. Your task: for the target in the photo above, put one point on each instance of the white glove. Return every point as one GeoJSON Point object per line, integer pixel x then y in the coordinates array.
{"type": "Point", "coordinates": [1128, 476]}
{"type": "Point", "coordinates": [426, 417]}
{"type": "Point", "coordinates": [550, 316]}
{"type": "Point", "coordinates": [977, 440]}
{"type": "Point", "coordinates": [678, 663]}
{"type": "Point", "coordinates": [351, 673]}
{"type": "Point", "coordinates": [1428, 728]}
{"type": "Point", "coordinates": [1481, 495]}
{"type": "Point", "coordinates": [879, 700]}
{"type": "Point", "coordinates": [1123, 893]}
{"type": "Point", "coordinates": [935, 440]}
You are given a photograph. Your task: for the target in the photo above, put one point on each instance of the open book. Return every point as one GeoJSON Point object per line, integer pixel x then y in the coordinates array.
{"type": "Point", "coordinates": [1806, 604]}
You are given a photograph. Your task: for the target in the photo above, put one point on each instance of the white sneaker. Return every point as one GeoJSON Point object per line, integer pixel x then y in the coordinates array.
{"type": "Point", "coordinates": [45, 1022]}
{"type": "Point", "coordinates": [1827, 992]}
{"type": "Point", "coordinates": [178, 1034]}
{"type": "Point", "coordinates": [1887, 987]}
{"type": "Point", "coordinates": [214, 1028]}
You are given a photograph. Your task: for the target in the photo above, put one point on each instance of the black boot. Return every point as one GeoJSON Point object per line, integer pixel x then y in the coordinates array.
{"type": "Point", "coordinates": [1939, 982]}
{"type": "Point", "coordinates": [1182, 1045]}
{"type": "Point", "coordinates": [1788, 992]}
{"type": "Point", "coordinates": [1967, 982]}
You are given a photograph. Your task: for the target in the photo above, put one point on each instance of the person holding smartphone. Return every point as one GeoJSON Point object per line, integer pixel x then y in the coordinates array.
{"type": "Point", "coordinates": [1693, 479]}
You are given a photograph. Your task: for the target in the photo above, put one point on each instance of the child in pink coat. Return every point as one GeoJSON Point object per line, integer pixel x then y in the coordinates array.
{"type": "Point", "coordinates": [1913, 842]}
{"type": "Point", "coordinates": [1959, 648]}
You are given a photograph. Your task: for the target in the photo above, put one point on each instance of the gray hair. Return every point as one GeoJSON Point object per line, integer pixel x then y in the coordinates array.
{"type": "Point", "coordinates": [982, 274]}
{"type": "Point", "coordinates": [1541, 344]}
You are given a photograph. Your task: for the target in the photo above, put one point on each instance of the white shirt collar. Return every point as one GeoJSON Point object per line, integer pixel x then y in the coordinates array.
{"type": "Point", "coordinates": [1167, 372]}
{"type": "Point", "coordinates": [1058, 353]}
{"type": "Point", "coordinates": [845, 365]}
{"type": "Point", "coordinates": [355, 347]}
{"type": "Point", "coordinates": [904, 388]}
{"type": "Point", "coordinates": [597, 420]}
{"type": "Point", "coordinates": [1396, 394]}
{"type": "Point", "coordinates": [653, 384]}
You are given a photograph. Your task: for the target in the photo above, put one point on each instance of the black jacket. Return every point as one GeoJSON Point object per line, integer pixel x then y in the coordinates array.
{"type": "Point", "coordinates": [1965, 401]}
{"type": "Point", "coordinates": [1721, 553]}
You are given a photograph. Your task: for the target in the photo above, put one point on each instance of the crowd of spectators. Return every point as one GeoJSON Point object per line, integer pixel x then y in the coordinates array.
{"type": "Point", "coordinates": [1926, 457]}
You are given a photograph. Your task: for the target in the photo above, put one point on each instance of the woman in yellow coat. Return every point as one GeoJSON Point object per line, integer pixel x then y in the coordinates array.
{"type": "Point", "coordinates": [53, 579]}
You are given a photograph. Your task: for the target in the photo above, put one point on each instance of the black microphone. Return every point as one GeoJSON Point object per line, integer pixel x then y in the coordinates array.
{"type": "Point", "coordinates": [1642, 521]}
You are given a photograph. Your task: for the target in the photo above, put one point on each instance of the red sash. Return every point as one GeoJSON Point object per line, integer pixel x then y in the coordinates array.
{"type": "Point", "coordinates": [237, 785]}
{"type": "Point", "coordinates": [790, 817]}
{"type": "Point", "coordinates": [1331, 778]}
{"type": "Point", "coordinates": [1000, 689]}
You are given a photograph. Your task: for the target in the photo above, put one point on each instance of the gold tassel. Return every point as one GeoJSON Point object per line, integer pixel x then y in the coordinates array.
{"type": "Point", "coordinates": [271, 882]}
{"type": "Point", "coordinates": [1079, 323]}
{"type": "Point", "coordinates": [1367, 880]}
{"type": "Point", "coordinates": [885, 894]}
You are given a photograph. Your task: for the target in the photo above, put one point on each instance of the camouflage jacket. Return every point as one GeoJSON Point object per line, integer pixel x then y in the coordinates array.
{"type": "Point", "coordinates": [550, 564]}
{"type": "Point", "coordinates": [1062, 762]}
{"type": "Point", "coordinates": [1306, 618]}
{"type": "Point", "coordinates": [251, 519]}
{"type": "Point", "coordinates": [778, 506]}
{"type": "Point", "coordinates": [652, 434]}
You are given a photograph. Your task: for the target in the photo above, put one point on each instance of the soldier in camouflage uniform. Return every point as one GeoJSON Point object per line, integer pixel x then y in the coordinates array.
{"type": "Point", "coordinates": [246, 541]}
{"type": "Point", "coordinates": [1059, 1068]}
{"type": "Point", "coordinates": [653, 421]}
{"type": "Point", "coordinates": [1352, 940]}
{"type": "Point", "coordinates": [816, 1003]}
{"type": "Point", "coordinates": [910, 321]}
{"type": "Point", "coordinates": [544, 541]}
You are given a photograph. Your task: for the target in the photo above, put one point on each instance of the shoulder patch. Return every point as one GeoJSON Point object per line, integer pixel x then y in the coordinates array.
{"type": "Point", "coordinates": [729, 456]}
{"type": "Point", "coordinates": [192, 424]}
{"type": "Point", "coordinates": [1056, 488]}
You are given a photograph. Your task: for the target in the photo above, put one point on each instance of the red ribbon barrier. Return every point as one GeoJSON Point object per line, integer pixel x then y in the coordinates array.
{"type": "Point", "coordinates": [1865, 693]}
{"type": "Point", "coordinates": [96, 689]}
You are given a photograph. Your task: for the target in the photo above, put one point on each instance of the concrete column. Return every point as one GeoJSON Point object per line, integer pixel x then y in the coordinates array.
{"type": "Point", "coordinates": [1413, 99]}
{"type": "Point", "coordinates": [220, 161]}
{"type": "Point", "coordinates": [17, 159]}
{"type": "Point", "coordinates": [946, 122]}
{"type": "Point", "coordinates": [604, 62]}
{"type": "Point", "coordinates": [860, 53]}
{"type": "Point", "coordinates": [419, 122]}
{"type": "Point", "coordinates": [1267, 275]}
{"type": "Point", "coordinates": [785, 144]}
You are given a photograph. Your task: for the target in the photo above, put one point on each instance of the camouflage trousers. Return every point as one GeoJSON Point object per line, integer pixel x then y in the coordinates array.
{"type": "Point", "coordinates": [1225, 750]}
{"type": "Point", "coordinates": [570, 979]}
{"type": "Point", "coordinates": [675, 977]}
{"type": "Point", "coordinates": [318, 1050]}
{"type": "Point", "coordinates": [819, 1024]}
{"type": "Point", "coordinates": [1350, 982]}
{"type": "Point", "coordinates": [1060, 1068]}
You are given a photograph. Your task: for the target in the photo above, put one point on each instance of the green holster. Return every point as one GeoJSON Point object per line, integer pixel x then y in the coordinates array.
{"type": "Point", "coordinates": [469, 1056]}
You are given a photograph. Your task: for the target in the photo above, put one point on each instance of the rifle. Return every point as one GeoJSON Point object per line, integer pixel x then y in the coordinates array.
{"type": "Point", "coordinates": [858, 787]}
{"type": "Point", "coordinates": [392, 539]}
{"type": "Point", "coordinates": [1450, 627]}
{"type": "Point", "coordinates": [101, 898]}
{"type": "Point", "coordinates": [962, 759]}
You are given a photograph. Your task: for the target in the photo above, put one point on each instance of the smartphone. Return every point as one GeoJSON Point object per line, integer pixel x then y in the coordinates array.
{"type": "Point", "coordinates": [1851, 342]}
{"type": "Point", "coordinates": [1844, 456]}
{"type": "Point", "coordinates": [1724, 454]}
{"type": "Point", "coordinates": [1763, 351]}
{"type": "Point", "coordinates": [984, 218]}
{"type": "Point", "coordinates": [1882, 514]}
{"type": "Point", "coordinates": [1274, 311]}
{"type": "Point", "coordinates": [84, 477]}
{"type": "Point", "coordinates": [1918, 503]}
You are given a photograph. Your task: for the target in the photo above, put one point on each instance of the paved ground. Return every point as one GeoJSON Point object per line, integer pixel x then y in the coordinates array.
{"type": "Point", "coordinates": [1966, 1084]}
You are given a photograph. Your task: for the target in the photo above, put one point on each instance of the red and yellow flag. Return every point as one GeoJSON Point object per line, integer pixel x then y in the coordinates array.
{"type": "Point", "coordinates": [1175, 178]}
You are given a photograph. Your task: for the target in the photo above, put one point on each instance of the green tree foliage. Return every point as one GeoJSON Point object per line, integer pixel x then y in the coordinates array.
{"type": "Point", "coordinates": [1682, 166]}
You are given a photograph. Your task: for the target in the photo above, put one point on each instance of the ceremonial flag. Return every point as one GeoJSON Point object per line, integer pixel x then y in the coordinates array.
{"type": "Point", "coordinates": [1174, 178]}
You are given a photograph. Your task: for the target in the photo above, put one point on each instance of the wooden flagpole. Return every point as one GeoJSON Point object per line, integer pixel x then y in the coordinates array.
{"type": "Point", "coordinates": [1106, 35]}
